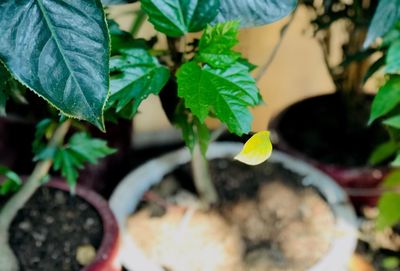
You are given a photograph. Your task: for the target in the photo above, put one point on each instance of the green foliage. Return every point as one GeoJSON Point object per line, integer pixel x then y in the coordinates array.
{"type": "Point", "coordinates": [383, 152]}
{"type": "Point", "coordinates": [387, 99]}
{"type": "Point", "coordinates": [391, 262]}
{"type": "Point", "coordinates": [11, 183]}
{"type": "Point", "coordinates": [386, 15]}
{"type": "Point", "coordinates": [135, 74]}
{"type": "Point", "coordinates": [393, 122]}
{"type": "Point", "coordinates": [254, 12]}
{"type": "Point", "coordinates": [393, 58]}
{"type": "Point", "coordinates": [117, 2]}
{"type": "Point", "coordinates": [67, 64]}
{"type": "Point", "coordinates": [389, 215]}
{"type": "Point", "coordinates": [226, 92]}
{"type": "Point", "coordinates": [81, 148]}
{"type": "Point", "coordinates": [216, 43]}
{"type": "Point", "coordinates": [175, 18]}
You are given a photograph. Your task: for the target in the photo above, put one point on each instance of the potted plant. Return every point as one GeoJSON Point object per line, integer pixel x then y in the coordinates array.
{"type": "Point", "coordinates": [331, 130]}
{"type": "Point", "coordinates": [61, 54]}
{"type": "Point", "coordinates": [208, 79]}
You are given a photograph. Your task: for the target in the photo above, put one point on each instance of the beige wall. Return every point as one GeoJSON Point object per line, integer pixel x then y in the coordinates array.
{"type": "Point", "coordinates": [297, 71]}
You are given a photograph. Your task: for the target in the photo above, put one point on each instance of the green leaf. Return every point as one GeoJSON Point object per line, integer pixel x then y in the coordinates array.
{"type": "Point", "coordinates": [4, 78]}
{"type": "Point", "coordinates": [388, 98]}
{"type": "Point", "coordinates": [81, 148]}
{"type": "Point", "coordinates": [226, 92]}
{"type": "Point", "coordinates": [175, 18]}
{"type": "Point", "coordinates": [391, 262]}
{"type": "Point", "coordinates": [383, 152]}
{"type": "Point", "coordinates": [60, 50]}
{"type": "Point", "coordinates": [396, 161]}
{"type": "Point", "coordinates": [393, 179]}
{"type": "Point", "coordinates": [11, 183]}
{"type": "Point", "coordinates": [374, 68]}
{"type": "Point", "coordinates": [135, 75]}
{"type": "Point", "coordinates": [117, 2]}
{"type": "Point", "coordinates": [393, 122]}
{"type": "Point", "coordinates": [386, 15]}
{"type": "Point", "coordinates": [393, 58]}
{"type": "Point", "coordinates": [121, 39]}
{"type": "Point", "coordinates": [389, 206]}
{"type": "Point", "coordinates": [216, 43]}
{"type": "Point", "coordinates": [41, 131]}
{"type": "Point", "coordinates": [254, 12]}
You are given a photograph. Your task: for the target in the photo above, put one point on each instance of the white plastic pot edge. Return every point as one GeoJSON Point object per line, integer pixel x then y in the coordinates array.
{"type": "Point", "coordinates": [129, 192]}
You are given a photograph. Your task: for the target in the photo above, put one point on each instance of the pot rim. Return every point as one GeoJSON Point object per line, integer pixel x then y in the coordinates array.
{"type": "Point", "coordinates": [108, 250]}
{"type": "Point", "coordinates": [128, 193]}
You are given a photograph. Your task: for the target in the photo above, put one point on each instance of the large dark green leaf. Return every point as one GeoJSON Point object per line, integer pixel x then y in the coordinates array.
{"type": "Point", "coordinates": [117, 2]}
{"type": "Point", "coordinates": [386, 15]}
{"type": "Point", "coordinates": [60, 50]}
{"type": "Point", "coordinates": [4, 77]}
{"type": "Point", "coordinates": [254, 12]}
{"type": "Point", "coordinates": [226, 92]}
{"type": "Point", "coordinates": [388, 98]}
{"type": "Point", "coordinates": [393, 58]}
{"type": "Point", "coordinates": [178, 17]}
{"type": "Point", "coordinates": [135, 75]}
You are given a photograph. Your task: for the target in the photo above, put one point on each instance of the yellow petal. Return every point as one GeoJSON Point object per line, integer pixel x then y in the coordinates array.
{"type": "Point", "coordinates": [256, 150]}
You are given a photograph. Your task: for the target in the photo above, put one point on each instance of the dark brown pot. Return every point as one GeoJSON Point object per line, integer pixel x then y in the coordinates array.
{"type": "Point", "coordinates": [360, 182]}
{"type": "Point", "coordinates": [107, 254]}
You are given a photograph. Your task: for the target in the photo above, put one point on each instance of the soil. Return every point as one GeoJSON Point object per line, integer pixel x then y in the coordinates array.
{"type": "Point", "coordinates": [266, 220]}
{"type": "Point", "coordinates": [49, 232]}
{"type": "Point", "coordinates": [327, 129]}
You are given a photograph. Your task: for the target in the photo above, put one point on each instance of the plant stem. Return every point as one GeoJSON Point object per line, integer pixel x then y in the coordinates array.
{"type": "Point", "coordinates": [8, 261]}
{"type": "Point", "coordinates": [202, 177]}
{"type": "Point", "coordinates": [264, 68]}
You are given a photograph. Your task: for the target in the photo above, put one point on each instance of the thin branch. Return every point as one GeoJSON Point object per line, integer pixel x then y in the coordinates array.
{"type": "Point", "coordinates": [264, 68]}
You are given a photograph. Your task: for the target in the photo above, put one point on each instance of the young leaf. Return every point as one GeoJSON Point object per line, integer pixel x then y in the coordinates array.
{"type": "Point", "coordinates": [175, 18]}
{"type": "Point", "coordinates": [135, 75]}
{"type": "Point", "coordinates": [256, 150]}
{"type": "Point", "coordinates": [383, 152]}
{"type": "Point", "coordinates": [216, 43]}
{"type": "Point", "coordinates": [60, 50]}
{"type": "Point", "coordinates": [11, 183]}
{"type": "Point", "coordinates": [386, 15]}
{"type": "Point", "coordinates": [393, 122]}
{"type": "Point", "coordinates": [392, 180]}
{"type": "Point", "coordinates": [393, 58]}
{"type": "Point", "coordinates": [254, 12]}
{"type": "Point", "coordinates": [389, 215]}
{"type": "Point", "coordinates": [388, 98]}
{"type": "Point", "coordinates": [226, 92]}
{"type": "Point", "coordinates": [81, 148]}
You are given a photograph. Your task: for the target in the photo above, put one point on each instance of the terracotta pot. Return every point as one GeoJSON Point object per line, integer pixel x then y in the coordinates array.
{"type": "Point", "coordinates": [129, 192]}
{"type": "Point", "coordinates": [360, 182]}
{"type": "Point", "coordinates": [108, 252]}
